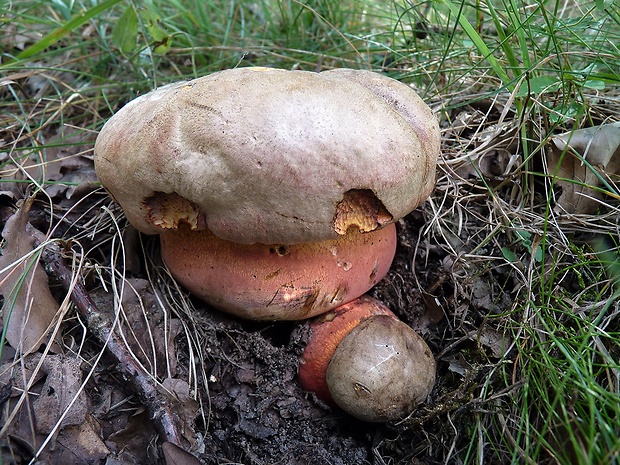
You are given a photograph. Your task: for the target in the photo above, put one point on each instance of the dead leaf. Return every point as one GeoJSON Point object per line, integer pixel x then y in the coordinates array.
{"type": "Point", "coordinates": [51, 390]}
{"type": "Point", "coordinates": [132, 442]}
{"type": "Point", "coordinates": [434, 312]}
{"type": "Point", "coordinates": [19, 375]}
{"type": "Point", "coordinates": [494, 156]}
{"type": "Point", "coordinates": [498, 343]}
{"type": "Point", "coordinates": [29, 307]}
{"type": "Point", "coordinates": [458, 364]}
{"type": "Point", "coordinates": [150, 335]}
{"type": "Point", "coordinates": [73, 173]}
{"type": "Point", "coordinates": [174, 455]}
{"type": "Point", "coordinates": [147, 331]}
{"type": "Point", "coordinates": [60, 166]}
{"type": "Point", "coordinates": [600, 147]}
{"type": "Point", "coordinates": [482, 295]}
{"type": "Point", "coordinates": [493, 164]}
{"type": "Point", "coordinates": [187, 408]}
{"type": "Point", "coordinates": [79, 444]}
{"type": "Point", "coordinates": [60, 393]}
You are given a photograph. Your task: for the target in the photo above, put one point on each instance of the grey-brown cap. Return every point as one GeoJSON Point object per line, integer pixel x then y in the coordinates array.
{"type": "Point", "coordinates": [271, 156]}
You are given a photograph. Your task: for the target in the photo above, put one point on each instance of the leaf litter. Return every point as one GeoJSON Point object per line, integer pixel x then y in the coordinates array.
{"type": "Point", "coordinates": [587, 165]}
{"type": "Point", "coordinates": [29, 306]}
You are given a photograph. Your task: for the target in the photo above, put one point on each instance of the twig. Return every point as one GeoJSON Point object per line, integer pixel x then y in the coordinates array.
{"type": "Point", "coordinates": [160, 404]}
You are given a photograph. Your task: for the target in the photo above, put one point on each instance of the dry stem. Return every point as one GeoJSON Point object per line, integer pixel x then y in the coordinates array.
{"type": "Point", "coordinates": [160, 404]}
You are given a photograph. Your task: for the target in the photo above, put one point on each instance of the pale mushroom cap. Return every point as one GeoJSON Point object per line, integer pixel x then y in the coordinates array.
{"type": "Point", "coordinates": [381, 370]}
{"type": "Point", "coordinates": [267, 155]}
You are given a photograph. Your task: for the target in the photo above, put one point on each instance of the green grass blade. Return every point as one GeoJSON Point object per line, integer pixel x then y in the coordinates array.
{"type": "Point", "coordinates": [479, 43]}
{"type": "Point", "coordinates": [62, 31]}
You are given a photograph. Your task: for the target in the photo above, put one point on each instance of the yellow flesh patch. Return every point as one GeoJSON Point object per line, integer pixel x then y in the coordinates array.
{"type": "Point", "coordinates": [362, 209]}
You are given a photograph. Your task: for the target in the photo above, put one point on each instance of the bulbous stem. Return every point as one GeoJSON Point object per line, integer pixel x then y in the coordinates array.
{"type": "Point", "coordinates": [278, 282]}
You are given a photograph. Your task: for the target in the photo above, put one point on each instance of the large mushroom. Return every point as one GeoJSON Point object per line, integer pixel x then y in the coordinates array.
{"type": "Point", "coordinates": [274, 192]}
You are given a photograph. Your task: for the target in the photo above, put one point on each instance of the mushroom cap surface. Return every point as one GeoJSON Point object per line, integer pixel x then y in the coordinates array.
{"type": "Point", "coordinates": [326, 332]}
{"type": "Point", "coordinates": [271, 156]}
{"type": "Point", "coordinates": [381, 370]}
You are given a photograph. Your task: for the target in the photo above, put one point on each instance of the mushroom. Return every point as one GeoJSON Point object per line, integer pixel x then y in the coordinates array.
{"type": "Point", "coordinates": [274, 192]}
{"type": "Point", "coordinates": [361, 357]}
{"type": "Point", "coordinates": [324, 334]}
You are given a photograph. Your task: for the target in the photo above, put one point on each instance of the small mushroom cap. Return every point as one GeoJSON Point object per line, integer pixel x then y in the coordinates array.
{"type": "Point", "coordinates": [381, 370]}
{"type": "Point", "coordinates": [271, 156]}
{"type": "Point", "coordinates": [326, 332]}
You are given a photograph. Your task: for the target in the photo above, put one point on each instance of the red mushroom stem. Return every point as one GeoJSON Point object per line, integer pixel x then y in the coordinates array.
{"type": "Point", "coordinates": [327, 331]}
{"type": "Point", "coordinates": [278, 282]}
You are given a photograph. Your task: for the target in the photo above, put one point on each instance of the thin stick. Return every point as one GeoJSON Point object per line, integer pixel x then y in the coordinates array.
{"type": "Point", "coordinates": [160, 404]}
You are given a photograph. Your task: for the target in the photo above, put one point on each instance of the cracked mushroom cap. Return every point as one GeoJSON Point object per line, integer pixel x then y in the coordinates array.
{"type": "Point", "coordinates": [261, 155]}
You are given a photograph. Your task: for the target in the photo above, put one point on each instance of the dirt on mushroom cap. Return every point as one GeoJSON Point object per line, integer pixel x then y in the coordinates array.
{"type": "Point", "coordinates": [266, 155]}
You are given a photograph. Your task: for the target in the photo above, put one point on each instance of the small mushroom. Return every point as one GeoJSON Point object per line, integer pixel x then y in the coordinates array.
{"type": "Point", "coordinates": [274, 192]}
{"type": "Point", "coordinates": [361, 357]}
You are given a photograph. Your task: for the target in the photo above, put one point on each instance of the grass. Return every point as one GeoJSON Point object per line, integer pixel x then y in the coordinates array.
{"type": "Point", "coordinates": [503, 76]}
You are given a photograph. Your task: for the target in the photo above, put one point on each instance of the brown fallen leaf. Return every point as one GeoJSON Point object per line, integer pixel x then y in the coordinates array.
{"type": "Point", "coordinates": [29, 307]}
{"type": "Point", "coordinates": [61, 402]}
{"type": "Point", "coordinates": [149, 335]}
{"type": "Point", "coordinates": [62, 166]}
{"type": "Point", "coordinates": [174, 455]}
{"type": "Point", "coordinates": [53, 423]}
{"type": "Point", "coordinates": [458, 364]}
{"type": "Point", "coordinates": [132, 442]}
{"type": "Point", "coordinates": [496, 342]}
{"type": "Point", "coordinates": [72, 173]}
{"type": "Point", "coordinates": [187, 408]}
{"type": "Point", "coordinates": [79, 444]}
{"type": "Point", "coordinates": [490, 165]}
{"type": "Point", "coordinates": [600, 148]}
{"type": "Point", "coordinates": [19, 375]}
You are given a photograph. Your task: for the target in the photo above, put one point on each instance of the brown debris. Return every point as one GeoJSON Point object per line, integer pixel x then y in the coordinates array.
{"type": "Point", "coordinates": [27, 298]}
